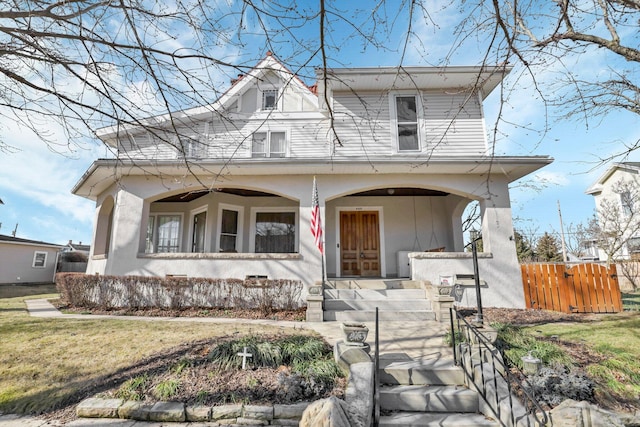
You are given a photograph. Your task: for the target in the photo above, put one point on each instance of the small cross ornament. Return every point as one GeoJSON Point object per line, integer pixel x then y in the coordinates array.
{"type": "Point", "coordinates": [244, 355]}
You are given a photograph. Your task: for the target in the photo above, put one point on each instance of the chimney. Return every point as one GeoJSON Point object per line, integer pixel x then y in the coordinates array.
{"type": "Point", "coordinates": [234, 81]}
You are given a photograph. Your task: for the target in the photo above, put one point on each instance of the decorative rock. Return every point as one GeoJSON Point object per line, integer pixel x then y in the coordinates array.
{"type": "Point", "coordinates": [133, 410]}
{"type": "Point", "coordinates": [98, 408]}
{"type": "Point", "coordinates": [289, 411]}
{"type": "Point", "coordinates": [258, 412]}
{"type": "Point", "coordinates": [167, 411]}
{"type": "Point", "coordinates": [226, 412]}
{"type": "Point", "coordinates": [571, 413]}
{"type": "Point", "coordinates": [198, 413]}
{"type": "Point", "coordinates": [330, 412]}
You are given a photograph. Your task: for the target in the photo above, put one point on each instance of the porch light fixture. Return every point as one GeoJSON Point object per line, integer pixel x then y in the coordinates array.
{"type": "Point", "coordinates": [390, 191]}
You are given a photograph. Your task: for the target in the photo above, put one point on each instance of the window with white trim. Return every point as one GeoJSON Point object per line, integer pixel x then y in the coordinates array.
{"type": "Point", "coordinates": [626, 200]}
{"type": "Point", "coordinates": [198, 230]}
{"type": "Point", "coordinates": [230, 220]}
{"type": "Point", "coordinates": [275, 231]}
{"type": "Point", "coordinates": [269, 144]}
{"type": "Point", "coordinates": [163, 233]}
{"type": "Point", "coordinates": [405, 119]}
{"type": "Point", "coordinates": [270, 99]}
{"type": "Point", "coordinates": [39, 259]}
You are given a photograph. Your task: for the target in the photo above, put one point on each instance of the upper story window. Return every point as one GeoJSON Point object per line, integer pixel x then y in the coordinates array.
{"type": "Point", "coordinates": [268, 144]}
{"type": "Point", "coordinates": [405, 118]}
{"type": "Point", "coordinates": [270, 99]}
{"type": "Point", "coordinates": [626, 200]}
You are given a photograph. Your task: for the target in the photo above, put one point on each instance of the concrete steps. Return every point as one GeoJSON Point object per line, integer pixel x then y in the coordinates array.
{"type": "Point", "coordinates": [420, 372]}
{"type": "Point", "coordinates": [356, 301]}
{"type": "Point", "coordinates": [434, 419]}
{"type": "Point", "coordinates": [427, 393]}
{"type": "Point", "coordinates": [428, 398]}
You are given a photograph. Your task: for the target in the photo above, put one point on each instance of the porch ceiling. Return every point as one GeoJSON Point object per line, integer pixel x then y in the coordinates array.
{"type": "Point", "coordinates": [105, 172]}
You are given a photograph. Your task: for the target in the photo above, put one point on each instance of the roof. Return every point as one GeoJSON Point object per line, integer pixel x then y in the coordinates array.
{"type": "Point", "coordinates": [78, 247]}
{"type": "Point", "coordinates": [17, 240]}
{"type": "Point", "coordinates": [268, 64]}
{"type": "Point", "coordinates": [596, 187]}
{"type": "Point", "coordinates": [101, 173]}
{"type": "Point", "coordinates": [485, 79]}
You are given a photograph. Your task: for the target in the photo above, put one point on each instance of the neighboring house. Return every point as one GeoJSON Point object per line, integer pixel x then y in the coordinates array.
{"type": "Point", "coordinates": [74, 258]}
{"type": "Point", "coordinates": [620, 185]}
{"type": "Point", "coordinates": [27, 261]}
{"type": "Point", "coordinates": [76, 248]}
{"type": "Point", "coordinates": [226, 190]}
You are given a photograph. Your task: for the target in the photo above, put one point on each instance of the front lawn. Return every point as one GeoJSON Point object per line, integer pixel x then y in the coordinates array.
{"type": "Point", "coordinates": [51, 364]}
{"type": "Point", "coordinates": [587, 357]}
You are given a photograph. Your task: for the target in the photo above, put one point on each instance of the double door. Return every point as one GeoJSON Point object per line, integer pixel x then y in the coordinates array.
{"type": "Point", "coordinates": [359, 243]}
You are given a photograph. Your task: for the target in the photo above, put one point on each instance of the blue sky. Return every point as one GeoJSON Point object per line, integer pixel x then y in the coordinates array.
{"type": "Point", "coordinates": [36, 179]}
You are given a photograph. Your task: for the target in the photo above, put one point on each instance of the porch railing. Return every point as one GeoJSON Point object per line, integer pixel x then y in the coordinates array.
{"type": "Point", "coordinates": [495, 380]}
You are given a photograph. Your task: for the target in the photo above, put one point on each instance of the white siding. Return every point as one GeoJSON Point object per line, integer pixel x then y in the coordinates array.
{"type": "Point", "coordinates": [452, 125]}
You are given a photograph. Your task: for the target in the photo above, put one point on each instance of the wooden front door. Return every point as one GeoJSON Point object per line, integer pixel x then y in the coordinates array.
{"type": "Point", "coordinates": [360, 243]}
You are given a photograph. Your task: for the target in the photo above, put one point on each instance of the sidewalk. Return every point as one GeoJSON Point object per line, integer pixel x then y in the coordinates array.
{"type": "Point", "coordinates": [418, 340]}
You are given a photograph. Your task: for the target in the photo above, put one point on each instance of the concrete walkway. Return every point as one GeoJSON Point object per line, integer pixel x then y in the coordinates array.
{"type": "Point", "coordinates": [415, 339]}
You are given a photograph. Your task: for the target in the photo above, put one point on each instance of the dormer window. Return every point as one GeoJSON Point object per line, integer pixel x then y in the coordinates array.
{"type": "Point", "coordinates": [270, 99]}
{"type": "Point", "coordinates": [405, 122]}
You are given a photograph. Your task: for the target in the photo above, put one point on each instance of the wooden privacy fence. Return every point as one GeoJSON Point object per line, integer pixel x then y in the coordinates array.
{"type": "Point", "coordinates": [583, 288]}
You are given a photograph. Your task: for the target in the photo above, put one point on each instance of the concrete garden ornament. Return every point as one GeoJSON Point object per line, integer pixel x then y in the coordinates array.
{"type": "Point", "coordinates": [355, 333]}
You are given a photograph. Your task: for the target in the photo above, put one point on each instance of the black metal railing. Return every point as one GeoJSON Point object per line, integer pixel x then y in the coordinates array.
{"type": "Point", "coordinates": [474, 341]}
{"type": "Point", "coordinates": [376, 377]}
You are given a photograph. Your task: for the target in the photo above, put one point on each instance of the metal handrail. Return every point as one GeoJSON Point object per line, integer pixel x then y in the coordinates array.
{"type": "Point", "coordinates": [376, 377]}
{"type": "Point", "coordinates": [531, 405]}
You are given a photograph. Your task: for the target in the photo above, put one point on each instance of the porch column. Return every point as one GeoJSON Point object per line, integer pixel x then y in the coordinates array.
{"type": "Point", "coordinates": [126, 233]}
{"type": "Point", "coordinates": [307, 248]}
{"type": "Point", "coordinates": [504, 275]}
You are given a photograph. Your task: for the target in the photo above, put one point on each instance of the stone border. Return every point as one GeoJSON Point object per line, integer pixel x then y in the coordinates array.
{"type": "Point", "coordinates": [278, 415]}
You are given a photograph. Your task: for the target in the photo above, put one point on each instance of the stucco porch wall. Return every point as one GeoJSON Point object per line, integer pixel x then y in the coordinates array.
{"type": "Point", "coordinates": [501, 283]}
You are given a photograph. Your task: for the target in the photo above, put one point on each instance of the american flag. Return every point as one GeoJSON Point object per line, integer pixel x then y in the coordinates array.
{"type": "Point", "coordinates": [316, 224]}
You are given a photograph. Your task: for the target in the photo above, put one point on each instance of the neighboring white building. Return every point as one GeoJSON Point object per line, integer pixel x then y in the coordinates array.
{"type": "Point", "coordinates": [225, 190]}
{"type": "Point", "coordinates": [607, 187]}
{"type": "Point", "coordinates": [27, 261]}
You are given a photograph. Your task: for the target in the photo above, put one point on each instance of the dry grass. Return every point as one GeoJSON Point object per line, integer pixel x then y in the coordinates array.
{"type": "Point", "coordinates": [50, 364]}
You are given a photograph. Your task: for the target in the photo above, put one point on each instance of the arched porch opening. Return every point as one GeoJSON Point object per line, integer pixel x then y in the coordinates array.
{"type": "Point", "coordinates": [229, 220]}
{"type": "Point", "coordinates": [104, 225]}
{"type": "Point", "coordinates": [371, 232]}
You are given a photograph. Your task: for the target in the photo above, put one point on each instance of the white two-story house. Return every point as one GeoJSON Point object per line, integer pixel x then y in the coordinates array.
{"type": "Point", "coordinates": [616, 195]}
{"type": "Point", "coordinates": [225, 190]}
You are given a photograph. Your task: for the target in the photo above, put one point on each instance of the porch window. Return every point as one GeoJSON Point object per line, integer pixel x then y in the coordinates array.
{"type": "Point", "coordinates": [229, 231]}
{"type": "Point", "coordinates": [199, 231]}
{"type": "Point", "coordinates": [275, 232]}
{"type": "Point", "coordinates": [405, 122]}
{"type": "Point", "coordinates": [163, 233]}
{"type": "Point", "coordinates": [268, 144]}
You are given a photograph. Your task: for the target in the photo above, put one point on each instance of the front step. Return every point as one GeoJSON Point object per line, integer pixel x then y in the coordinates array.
{"type": "Point", "coordinates": [434, 419]}
{"type": "Point", "coordinates": [420, 372]}
{"type": "Point", "coordinates": [382, 304]}
{"type": "Point", "coordinates": [428, 398]}
{"type": "Point", "coordinates": [376, 294]}
{"type": "Point", "coordinates": [383, 315]}
{"type": "Point", "coordinates": [359, 305]}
